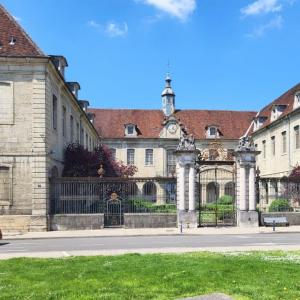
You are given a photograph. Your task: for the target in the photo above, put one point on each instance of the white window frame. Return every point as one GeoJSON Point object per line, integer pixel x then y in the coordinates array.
{"type": "Point", "coordinates": [149, 159]}
{"type": "Point", "coordinates": [130, 156]}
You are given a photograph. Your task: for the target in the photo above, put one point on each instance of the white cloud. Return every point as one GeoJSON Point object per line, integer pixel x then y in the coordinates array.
{"type": "Point", "coordinates": [111, 29]}
{"type": "Point", "coordinates": [261, 7]}
{"type": "Point", "coordinates": [116, 30]}
{"type": "Point", "coordinates": [94, 24]}
{"type": "Point", "coordinates": [180, 9]}
{"type": "Point", "coordinates": [275, 23]}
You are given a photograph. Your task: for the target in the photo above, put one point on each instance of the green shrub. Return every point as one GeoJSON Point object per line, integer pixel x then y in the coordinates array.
{"type": "Point", "coordinates": [142, 205]}
{"type": "Point", "coordinates": [280, 205]}
{"type": "Point", "coordinates": [226, 200]}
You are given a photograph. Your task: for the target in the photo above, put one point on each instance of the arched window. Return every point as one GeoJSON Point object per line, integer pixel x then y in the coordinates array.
{"type": "Point", "coordinates": [133, 190]}
{"type": "Point", "coordinates": [212, 192]}
{"type": "Point", "coordinates": [230, 189]}
{"type": "Point", "coordinates": [149, 191]}
{"type": "Point", "coordinates": [54, 172]}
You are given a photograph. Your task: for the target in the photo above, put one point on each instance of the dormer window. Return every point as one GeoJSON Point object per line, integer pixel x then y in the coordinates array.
{"type": "Point", "coordinates": [74, 87]}
{"type": "Point", "coordinates": [84, 104]}
{"type": "Point", "coordinates": [212, 132]}
{"type": "Point", "coordinates": [130, 129]}
{"type": "Point", "coordinates": [60, 63]}
{"type": "Point", "coordinates": [277, 110]}
{"type": "Point", "coordinates": [297, 100]}
{"type": "Point", "coordinates": [258, 122]}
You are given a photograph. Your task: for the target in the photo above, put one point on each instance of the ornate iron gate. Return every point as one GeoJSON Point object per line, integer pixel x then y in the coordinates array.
{"type": "Point", "coordinates": [113, 213]}
{"type": "Point", "coordinates": [217, 193]}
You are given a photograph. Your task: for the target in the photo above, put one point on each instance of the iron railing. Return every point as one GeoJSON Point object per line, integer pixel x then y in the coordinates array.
{"type": "Point", "coordinates": [278, 194]}
{"type": "Point", "coordinates": [90, 195]}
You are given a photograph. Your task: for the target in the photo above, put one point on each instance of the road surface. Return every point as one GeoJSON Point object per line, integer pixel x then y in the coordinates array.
{"type": "Point", "coordinates": [57, 247]}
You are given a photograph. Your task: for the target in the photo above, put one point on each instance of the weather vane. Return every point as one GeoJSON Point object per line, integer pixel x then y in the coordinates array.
{"type": "Point", "coordinates": [168, 68]}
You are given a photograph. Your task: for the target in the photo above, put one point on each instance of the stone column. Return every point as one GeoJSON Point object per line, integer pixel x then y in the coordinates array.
{"type": "Point", "coordinates": [245, 155]}
{"type": "Point", "coordinates": [192, 188]}
{"type": "Point", "coordinates": [252, 200]}
{"type": "Point", "coordinates": [242, 186]}
{"type": "Point", "coordinates": [181, 187]}
{"type": "Point", "coordinates": [186, 216]}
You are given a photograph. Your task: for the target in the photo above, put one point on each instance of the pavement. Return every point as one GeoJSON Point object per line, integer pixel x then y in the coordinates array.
{"type": "Point", "coordinates": [114, 232]}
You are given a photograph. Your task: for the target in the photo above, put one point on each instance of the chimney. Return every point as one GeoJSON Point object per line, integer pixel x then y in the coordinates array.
{"type": "Point", "coordinates": [60, 63]}
{"type": "Point", "coordinates": [74, 87]}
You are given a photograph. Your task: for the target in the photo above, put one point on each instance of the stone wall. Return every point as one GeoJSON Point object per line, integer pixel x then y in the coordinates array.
{"type": "Point", "coordinates": [76, 222]}
{"type": "Point", "coordinates": [144, 220]}
{"type": "Point", "coordinates": [14, 223]}
{"type": "Point", "coordinates": [292, 217]}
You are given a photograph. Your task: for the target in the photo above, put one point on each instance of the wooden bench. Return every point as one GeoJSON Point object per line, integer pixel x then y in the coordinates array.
{"type": "Point", "coordinates": [275, 221]}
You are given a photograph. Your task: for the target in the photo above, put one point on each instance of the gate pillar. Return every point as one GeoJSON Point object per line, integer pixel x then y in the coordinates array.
{"type": "Point", "coordinates": [245, 156]}
{"type": "Point", "coordinates": [186, 154]}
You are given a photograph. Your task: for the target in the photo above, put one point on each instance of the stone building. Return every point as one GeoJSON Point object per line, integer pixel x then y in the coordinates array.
{"type": "Point", "coordinates": [149, 138]}
{"type": "Point", "coordinates": [276, 133]}
{"type": "Point", "coordinates": [40, 113]}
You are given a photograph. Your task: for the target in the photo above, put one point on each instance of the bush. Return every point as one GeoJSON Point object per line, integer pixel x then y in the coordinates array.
{"type": "Point", "coordinates": [225, 200]}
{"type": "Point", "coordinates": [280, 205]}
{"type": "Point", "coordinates": [142, 205]}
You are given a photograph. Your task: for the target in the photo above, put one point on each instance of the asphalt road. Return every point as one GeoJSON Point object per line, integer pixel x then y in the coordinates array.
{"type": "Point", "coordinates": [138, 243]}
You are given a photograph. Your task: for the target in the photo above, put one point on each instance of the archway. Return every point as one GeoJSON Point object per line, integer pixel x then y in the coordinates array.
{"type": "Point", "coordinates": [212, 192]}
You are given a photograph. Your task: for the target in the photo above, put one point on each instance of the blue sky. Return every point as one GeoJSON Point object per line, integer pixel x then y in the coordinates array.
{"type": "Point", "coordinates": [224, 54]}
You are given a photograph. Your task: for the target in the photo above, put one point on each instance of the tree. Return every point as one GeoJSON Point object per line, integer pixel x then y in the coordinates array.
{"type": "Point", "coordinates": [79, 162]}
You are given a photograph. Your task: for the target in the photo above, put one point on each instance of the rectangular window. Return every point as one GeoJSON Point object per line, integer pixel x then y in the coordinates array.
{"type": "Point", "coordinates": [113, 153]}
{"type": "Point", "coordinates": [273, 145]}
{"type": "Point", "coordinates": [86, 141]}
{"type": "Point", "coordinates": [297, 137]}
{"type": "Point", "coordinates": [264, 149]}
{"type": "Point", "coordinates": [54, 112]}
{"type": "Point", "coordinates": [71, 129]}
{"type": "Point", "coordinates": [130, 129]}
{"type": "Point", "coordinates": [283, 136]}
{"type": "Point", "coordinates": [130, 156]}
{"type": "Point", "coordinates": [5, 185]}
{"type": "Point", "coordinates": [82, 136]}
{"type": "Point", "coordinates": [171, 163]}
{"type": "Point", "coordinates": [64, 119]}
{"type": "Point", "coordinates": [77, 133]}
{"type": "Point", "coordinates": [6, 103]}
{"type": "Point", "coordinates": [149, 157]}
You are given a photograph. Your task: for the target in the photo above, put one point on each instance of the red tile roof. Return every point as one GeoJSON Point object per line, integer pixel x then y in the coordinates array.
{"type": "Point", "coordinates": [9, 29]}
{"type": "Point", "coordinates": [286, 99]}
{"type": "Point", "coordinates": [232, 124]}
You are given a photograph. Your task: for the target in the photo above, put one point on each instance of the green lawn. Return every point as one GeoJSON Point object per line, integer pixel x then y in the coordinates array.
{"type": "Point", "coordinates": [263, 275]}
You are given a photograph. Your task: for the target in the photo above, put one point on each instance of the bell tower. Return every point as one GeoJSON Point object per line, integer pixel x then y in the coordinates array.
{"type": "Point", "coordinates": [168, 98]}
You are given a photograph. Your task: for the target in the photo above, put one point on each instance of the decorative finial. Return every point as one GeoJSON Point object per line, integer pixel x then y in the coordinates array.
{"type": "Point", "coordinates": [168, 68]}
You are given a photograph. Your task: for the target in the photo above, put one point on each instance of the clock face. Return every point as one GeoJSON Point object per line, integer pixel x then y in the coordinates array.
{"type": "Point", "coordinates": [172, 128]}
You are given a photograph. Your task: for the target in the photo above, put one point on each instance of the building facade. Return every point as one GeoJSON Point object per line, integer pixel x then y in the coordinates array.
{"type": "Point", "coordinates": [148, 139]}
{"type": "Point", "coordinates": [40, 114]}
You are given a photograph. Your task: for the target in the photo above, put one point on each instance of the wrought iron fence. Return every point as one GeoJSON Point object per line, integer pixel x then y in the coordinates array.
{"type": "Point", "coordinates": [278, 195]}
{"type": "Point", "coordinates": [91, 195]}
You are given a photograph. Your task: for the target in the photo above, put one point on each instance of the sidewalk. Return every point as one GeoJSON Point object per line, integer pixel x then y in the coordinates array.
{"type": "Point", "coordinates": [110, 232]}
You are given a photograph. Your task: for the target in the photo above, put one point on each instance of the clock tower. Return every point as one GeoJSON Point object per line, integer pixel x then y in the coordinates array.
{"type": "Point", "coordinates": [168, 98]}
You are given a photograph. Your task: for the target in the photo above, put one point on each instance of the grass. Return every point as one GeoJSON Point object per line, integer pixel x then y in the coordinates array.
{"type": "Point", "coordinates": [260, 275]}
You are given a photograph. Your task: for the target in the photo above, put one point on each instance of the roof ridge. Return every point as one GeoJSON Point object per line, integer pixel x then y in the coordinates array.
{"type": "Point", "coordinates": [178, 110]}
{"type": "Point", "coordinates": [281, 96]}
{"type": "Point", "coordinates": [26, 35]}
